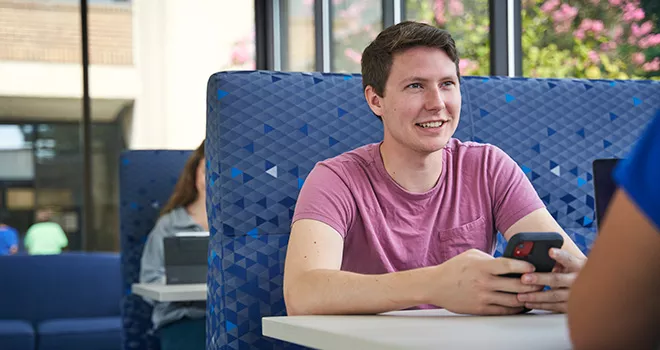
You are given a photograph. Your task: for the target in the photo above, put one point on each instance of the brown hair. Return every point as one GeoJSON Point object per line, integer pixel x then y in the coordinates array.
{"type": "Point", "coordinates": [377, 57]}
{"type": "Point", "coordinates": [185, 190]}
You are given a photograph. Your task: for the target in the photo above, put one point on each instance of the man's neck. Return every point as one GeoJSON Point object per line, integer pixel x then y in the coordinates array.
{"type": "Point", "coordinates": [414, 171]}
{"type": "Point", "coordinates": [197, 211]}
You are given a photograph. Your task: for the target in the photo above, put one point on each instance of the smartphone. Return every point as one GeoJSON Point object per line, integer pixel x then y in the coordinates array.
{"type": "Point", "coordinates": [533, 247]}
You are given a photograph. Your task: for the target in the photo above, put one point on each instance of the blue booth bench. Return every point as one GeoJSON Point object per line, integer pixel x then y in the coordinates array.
{"type": "Point", "coordinates": [146, 181]}
{"type": "Point", "coordinates": [266, 130]}
{"type": "Point", "coordinates": [56, 302]}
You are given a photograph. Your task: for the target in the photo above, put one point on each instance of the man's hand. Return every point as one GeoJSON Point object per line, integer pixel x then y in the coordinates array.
{"type": "Point", "coordinates": [559, 280]}
{"type": "Point", "coordinates": [472, 285]}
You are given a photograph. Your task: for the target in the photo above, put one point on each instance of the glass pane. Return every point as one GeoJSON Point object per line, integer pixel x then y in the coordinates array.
{"type": "Point", "coordinates": [238, 36]}
{"type": "Point", "coordinates": [591, 39]}
{"type": "Point", "coordinates": [467, 21]}
{"type": "Point", "coordinates": [20, 198]}
{"type": "Point", "coordinates": [355, 24]}
{"type": "Point", "coordinates": [40, 108]}
{"type": "Point", "coordinates": [149, 73]}
{"type": "Point", "coordinates": [58, 174]}
{"type": "Point", "coordinates": [106, 146]}
{"type": "Point", "coordinates": [300, 39]}
{"type": "Point", "coordinates": [13, 137]}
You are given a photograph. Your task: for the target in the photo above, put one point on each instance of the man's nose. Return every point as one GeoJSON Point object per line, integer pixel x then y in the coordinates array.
{"type": "Point", "coordinates": [434, 100]}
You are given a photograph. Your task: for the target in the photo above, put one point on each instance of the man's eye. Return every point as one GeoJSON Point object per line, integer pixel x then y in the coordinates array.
{"type": "Point", "coordinates": [415, 85]}
{"type": "Point", "coordinates": [448, 83]}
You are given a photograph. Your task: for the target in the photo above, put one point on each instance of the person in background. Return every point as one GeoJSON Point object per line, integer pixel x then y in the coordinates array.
{"type": "Point", "coordinates": [8, 236]}
{"type": "Point", "coordinates": [615, 302]}
{"type": "Point", "coordinates": [45, 237]}
{"type": "Point", "coordinates": [180, 325]}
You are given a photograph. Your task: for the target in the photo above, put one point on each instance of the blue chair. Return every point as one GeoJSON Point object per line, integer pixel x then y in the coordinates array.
{"type": "Point", "coordinates": [266, 131]}
{"type": "Point", "coordinates": [146, 181]}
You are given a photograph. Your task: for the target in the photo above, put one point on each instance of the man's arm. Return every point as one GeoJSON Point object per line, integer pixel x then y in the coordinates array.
{"type": "Point", "coordinates": [540, 220]}
{"type": "Point", "coordinates": [313, 283]}
{"type": "Point", "coordinates": [614, 303]}
{"type": "Point", "coordinates": [467, 283]}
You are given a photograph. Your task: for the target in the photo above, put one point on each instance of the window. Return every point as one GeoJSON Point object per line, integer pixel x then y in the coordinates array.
{"type": "Point", "coordinates": [355, 23]}
{"type": "Point", "coordinates": [467, 21]}
{"type": "Point", "coordinates": [300, 36]}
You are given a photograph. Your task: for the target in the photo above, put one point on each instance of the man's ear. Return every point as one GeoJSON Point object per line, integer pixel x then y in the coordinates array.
{"type": "Point", "coordinates": [374, 101]}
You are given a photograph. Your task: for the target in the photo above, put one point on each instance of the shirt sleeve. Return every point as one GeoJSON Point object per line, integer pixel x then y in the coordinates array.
{"type": "Point", "coordinates": [62, 237]}
{"type": "Point", "coordinates": [639, 173]}
{"type": "Point", "coordinates": [152, 263]}
{"type": "Point", "coordinates": [512, 194]}
{"type": "Point", "coordinates": [325, 197]}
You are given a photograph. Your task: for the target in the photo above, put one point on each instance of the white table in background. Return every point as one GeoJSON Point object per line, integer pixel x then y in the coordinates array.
{"type": "Point", "coordinates": [171, 292]}
{"type": "Point", "coordinates": [422, 329]}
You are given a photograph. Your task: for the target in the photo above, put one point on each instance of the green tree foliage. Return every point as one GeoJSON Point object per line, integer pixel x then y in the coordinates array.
{"type": "Point", "coordinates": [615, 39]}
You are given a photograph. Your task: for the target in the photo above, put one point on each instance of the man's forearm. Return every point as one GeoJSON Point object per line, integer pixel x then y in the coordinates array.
{"type": "Point", "coordinates": [339, 292]}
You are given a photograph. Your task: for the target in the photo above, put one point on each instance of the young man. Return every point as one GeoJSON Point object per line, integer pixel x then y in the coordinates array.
{"type": "Point", "coordinates": [615, 303]}
{"type": "Point", "coordinates": [410, 222]}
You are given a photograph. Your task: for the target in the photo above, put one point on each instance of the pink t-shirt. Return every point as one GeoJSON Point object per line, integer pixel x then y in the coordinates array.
{"type": "Point", "coordinates": [386, 229]}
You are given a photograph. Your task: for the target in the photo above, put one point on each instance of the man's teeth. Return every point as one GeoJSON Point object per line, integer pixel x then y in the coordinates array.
{"type": "Point", "coordinates": [431, 125]}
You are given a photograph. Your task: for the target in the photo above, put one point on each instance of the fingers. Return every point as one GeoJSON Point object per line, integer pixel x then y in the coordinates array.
{"type": "Point", "coordinates": [554, 307]}
{"type": "Point", "coordinates": [551, 279]}
{"type": "Point", "coordinates": [497, 310]}
{"type": "Point", "coordinates": [552, 296]}
{"type": "Point", "coordinates": [503, 299]}
{"type": "Point", "coordinates": [570, 262]}
{"type": "Point", "coordinates": [502, 266]}
{"type": "Point", "coordinates": [513, 285]}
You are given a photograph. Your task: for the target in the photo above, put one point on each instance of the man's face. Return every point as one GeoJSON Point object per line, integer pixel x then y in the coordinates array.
{"type": "Point", "coordinates": [422, 102]}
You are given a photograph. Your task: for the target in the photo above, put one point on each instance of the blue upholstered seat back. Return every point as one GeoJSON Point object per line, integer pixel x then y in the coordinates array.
{"type": "Point", "coordinates": [266, 130]}
{"type": "Point", "coordinates": [38, 288]}
{"type": "Point", "coordinates": [146, 181]}
{"type": "Point", "coordinates": [554, 129]}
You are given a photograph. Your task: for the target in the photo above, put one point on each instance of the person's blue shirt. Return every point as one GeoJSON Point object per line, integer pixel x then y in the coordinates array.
{"type": "Point", "coordinates": [8, 238]}
{"type": "Point", "coordinates": [639, 173]}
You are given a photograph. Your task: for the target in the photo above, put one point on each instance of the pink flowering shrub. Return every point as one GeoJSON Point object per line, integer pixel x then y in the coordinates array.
{"type": "Point", "coordinates": [612, 39]}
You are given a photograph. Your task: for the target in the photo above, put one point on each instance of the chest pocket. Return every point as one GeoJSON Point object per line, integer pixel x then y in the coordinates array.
{"type": "Point", "coordinates": [454, 241]}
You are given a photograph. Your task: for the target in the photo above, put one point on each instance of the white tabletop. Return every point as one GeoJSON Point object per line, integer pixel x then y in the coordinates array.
{"type": "Point", "coordinates": [171, 292]}
{"type": "Point", "coordinates": [422, 329]}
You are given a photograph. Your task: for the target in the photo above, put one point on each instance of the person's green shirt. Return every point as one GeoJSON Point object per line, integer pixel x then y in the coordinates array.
{"type": "Point", "coordinates": [45, 238]}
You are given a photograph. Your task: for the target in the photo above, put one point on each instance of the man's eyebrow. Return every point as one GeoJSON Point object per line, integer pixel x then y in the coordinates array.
{"type": "Point", "coordinates": [421, 79]}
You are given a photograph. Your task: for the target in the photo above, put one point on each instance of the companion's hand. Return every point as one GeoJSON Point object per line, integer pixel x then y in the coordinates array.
{"type": "Point", "coordinates": [559, 280]}
{"type": "Point", "coordinates": [469, 283]}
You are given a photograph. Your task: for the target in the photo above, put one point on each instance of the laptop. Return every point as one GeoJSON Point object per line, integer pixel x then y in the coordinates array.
{"type": "Point", "coordinates": [604, 186]}
{"type": "Point", "coordinates": [186, 258]}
